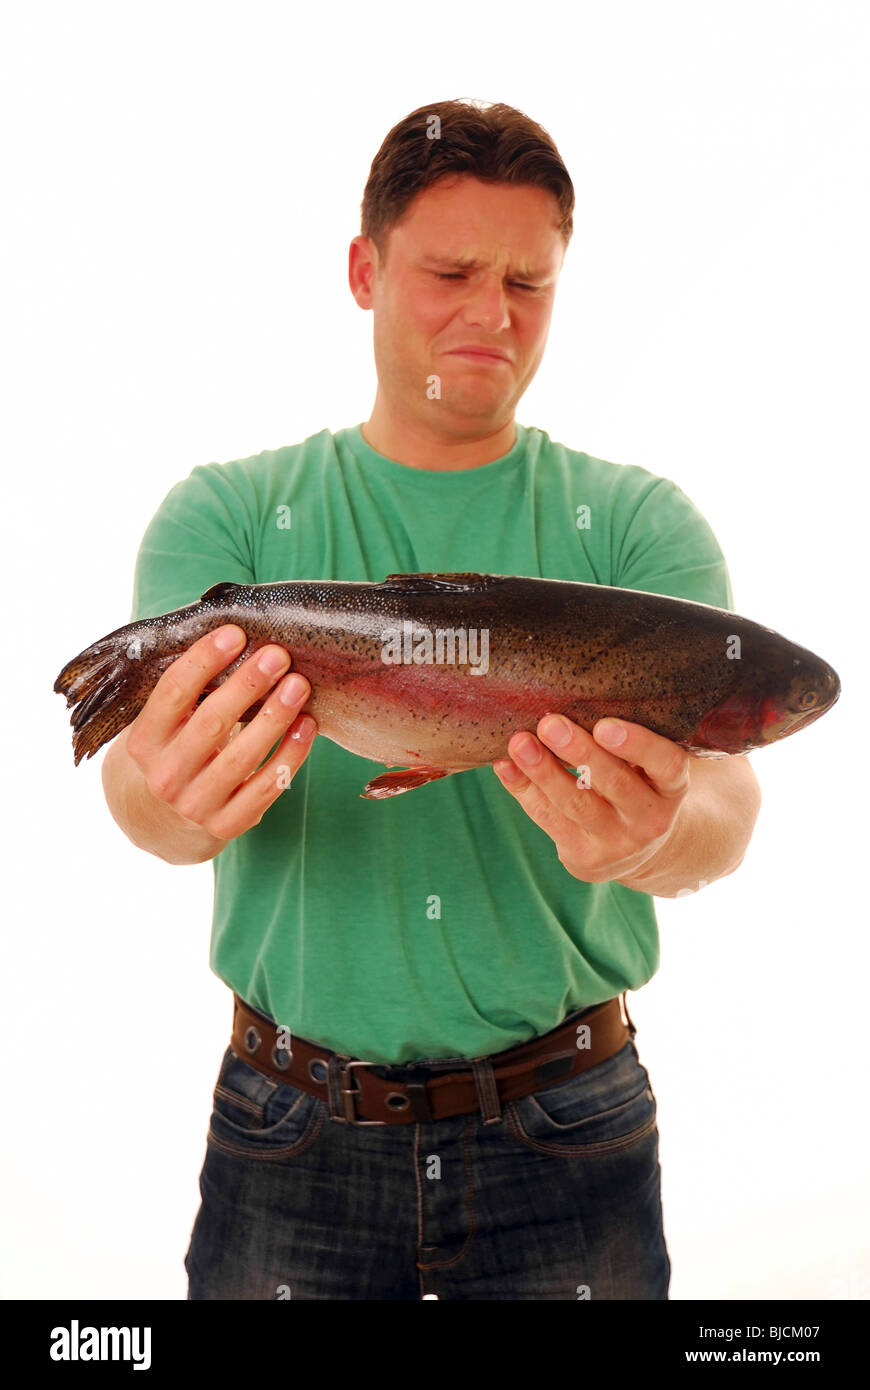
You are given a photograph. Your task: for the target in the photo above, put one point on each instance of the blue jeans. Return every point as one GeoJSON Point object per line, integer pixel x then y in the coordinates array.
{"type": "Point", "coordinates": [560, 1199]}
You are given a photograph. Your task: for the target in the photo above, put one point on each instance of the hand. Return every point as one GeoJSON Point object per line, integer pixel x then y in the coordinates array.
{"type": "Point", "coordinates": [192, 757]}
{"type": "Point", "coordinates": [611, 828]}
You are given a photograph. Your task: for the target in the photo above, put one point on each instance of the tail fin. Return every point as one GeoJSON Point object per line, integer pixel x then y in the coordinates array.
{"type": "Point", "coordinates": [108, 683]}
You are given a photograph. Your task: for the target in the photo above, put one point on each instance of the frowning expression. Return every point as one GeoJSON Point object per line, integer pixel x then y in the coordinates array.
{"type": "Point", "coordinates": [463, 299]}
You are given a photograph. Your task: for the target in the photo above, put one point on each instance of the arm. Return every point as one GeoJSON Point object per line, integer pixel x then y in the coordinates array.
{"type": "Point", "coordinates": [164, 781]}
{"type": "Point", "coordinates": [151, 824]}
{"type": "Point", "coordinates": [711, 832]}
{"type": "Point", "coordinates": [654, 818]}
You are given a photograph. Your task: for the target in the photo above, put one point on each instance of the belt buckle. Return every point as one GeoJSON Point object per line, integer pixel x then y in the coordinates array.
{"type": "Point", "coordinates": [343, 1097]}
{"type": "Point", "coordinates": [348, 1094]}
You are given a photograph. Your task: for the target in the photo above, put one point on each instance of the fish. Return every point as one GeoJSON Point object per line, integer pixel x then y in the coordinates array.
{"type": "Point", "coordinates": [430, 674]}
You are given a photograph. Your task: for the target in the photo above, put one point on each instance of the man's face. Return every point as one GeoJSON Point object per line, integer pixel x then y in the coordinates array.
{"type": "Point", "coordinates": [470, 265]}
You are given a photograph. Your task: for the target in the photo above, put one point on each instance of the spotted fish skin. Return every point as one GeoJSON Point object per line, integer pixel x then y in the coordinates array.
{"type": "Point", "coordinates": [705, 678]}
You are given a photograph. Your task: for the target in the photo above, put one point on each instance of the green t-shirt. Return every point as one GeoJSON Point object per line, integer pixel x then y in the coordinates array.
{"type": "Point", "coordinates": [325, 914]}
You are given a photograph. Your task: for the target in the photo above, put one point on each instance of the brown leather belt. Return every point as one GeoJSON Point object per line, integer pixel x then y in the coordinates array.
{"type": "Point", "coordinates": [421, 1092]}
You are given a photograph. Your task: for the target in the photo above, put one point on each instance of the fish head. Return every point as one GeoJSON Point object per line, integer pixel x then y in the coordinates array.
{"type": "Point", "coordinates": [813, 688]}
{"type": "Point", "coordinates": [797, 688]}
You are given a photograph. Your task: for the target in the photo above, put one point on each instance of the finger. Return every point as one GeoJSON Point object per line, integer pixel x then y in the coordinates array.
{"type": "Point", "coordinates": [613, 780]}
{"type": "Point", "coordinates": [664, 763]}
{"type": "Point", "coordinates": [210, 725]}
{"type": "Point", "coordinates": [253, 798]}
{"type": "Point", "coordinates": [538, 806]}
{"type": "Point", "coordinates": [236, 729]}
{"type": "Point", "coordinates": [241, 757]}
{"type": "Point", "coordinates": [555, 798]}
{"type": "Point", "coordinates": [175, 695]}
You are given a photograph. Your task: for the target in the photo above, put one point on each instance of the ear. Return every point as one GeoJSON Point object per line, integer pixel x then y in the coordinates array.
{"type": "Point", "coordinates": [362, 268]}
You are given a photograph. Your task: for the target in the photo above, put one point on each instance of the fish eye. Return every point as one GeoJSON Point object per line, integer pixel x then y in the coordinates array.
{"type": "Point", "coordinates": [808, 699]}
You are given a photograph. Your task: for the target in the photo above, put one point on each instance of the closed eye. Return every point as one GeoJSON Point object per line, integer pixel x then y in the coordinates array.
{"type": "Point", "coordinates": [457, 275]}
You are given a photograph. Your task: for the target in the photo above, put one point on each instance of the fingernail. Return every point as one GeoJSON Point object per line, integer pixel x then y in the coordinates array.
{"type": "Point", "coordinates": [528, 751]}
{"type": "Point", "coordinates": [611, 732]}
{"type": "Point", "coordinates": [508, 770]}
{"type": "Point", "coordinates": [292, 690]}
{"type": "Point", "coordinates": [228, 638]}
{"type": "Point", "coordinates": [273, 660]}
{"type": "Point", "coordinates": [556, 730]}
{"type": "Point", "coordinates": [304, 729]}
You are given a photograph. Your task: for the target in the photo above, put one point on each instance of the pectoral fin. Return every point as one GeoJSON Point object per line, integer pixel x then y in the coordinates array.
{"type": "Point", "coordinates": [404, 779]}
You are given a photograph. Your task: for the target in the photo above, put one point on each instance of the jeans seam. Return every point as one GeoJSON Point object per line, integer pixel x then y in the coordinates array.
{"type": "Point", "coordinates": [606, 1146]}
{"type": "Point", "coordinates": [613, 1113]}
{"type": "Point", "coordinates": [468, 1167]}
{"type": "Point", "coordinates": [305, 1141]}
{"type": "Point", "coordinates": [242, 1101]}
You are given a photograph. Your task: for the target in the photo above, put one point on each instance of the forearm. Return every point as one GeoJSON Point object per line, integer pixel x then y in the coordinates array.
{"type": "Point", "coordinates": [709, 838]}
{"type": "Point", "coordinates": [150, 824]}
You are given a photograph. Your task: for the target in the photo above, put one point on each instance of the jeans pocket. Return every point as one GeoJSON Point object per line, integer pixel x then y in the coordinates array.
{"type": "Point", "coordinates": [607, 1108]}
{"type": "Point", "coordinates": [251, 1111]}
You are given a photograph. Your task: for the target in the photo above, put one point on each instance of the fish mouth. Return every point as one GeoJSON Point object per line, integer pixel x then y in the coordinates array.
{"type": "Point", "coordinates": [777, 723]}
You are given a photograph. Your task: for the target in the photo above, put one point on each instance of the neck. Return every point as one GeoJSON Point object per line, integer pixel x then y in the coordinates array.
{"type": "Point", "coordinates": [409, 443]}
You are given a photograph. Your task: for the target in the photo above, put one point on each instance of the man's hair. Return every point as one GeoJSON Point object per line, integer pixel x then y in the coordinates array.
{"type": "Point", "coordinates": [489, 141]}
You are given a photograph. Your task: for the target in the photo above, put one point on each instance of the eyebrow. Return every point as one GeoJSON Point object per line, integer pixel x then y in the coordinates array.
{"type": "Point", "coordinates": [469, 263]}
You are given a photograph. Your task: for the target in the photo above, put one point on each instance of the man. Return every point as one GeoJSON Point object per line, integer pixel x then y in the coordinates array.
{"type": "Point", "coordinates": [433, 1086]}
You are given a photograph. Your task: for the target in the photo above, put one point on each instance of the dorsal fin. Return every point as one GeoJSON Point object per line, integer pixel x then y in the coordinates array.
{"type": "Point", "coordinates": [421, 583]}
{"type": "Point", "coordinates": [218, 591]}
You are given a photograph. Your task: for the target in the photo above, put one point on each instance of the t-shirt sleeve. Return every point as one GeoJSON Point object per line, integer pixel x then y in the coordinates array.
{"type": "Point", "coordinates": [668, 547]}
{"type": "Point", "coordinates": [200, 535]}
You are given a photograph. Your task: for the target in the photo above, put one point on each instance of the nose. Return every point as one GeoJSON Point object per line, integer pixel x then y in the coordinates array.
{"type": "Point", "coordinates": [486, 305]}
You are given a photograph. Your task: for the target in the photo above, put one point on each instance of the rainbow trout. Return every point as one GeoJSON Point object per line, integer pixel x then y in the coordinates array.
{"type": "Point", "coordinates": [432, 673]}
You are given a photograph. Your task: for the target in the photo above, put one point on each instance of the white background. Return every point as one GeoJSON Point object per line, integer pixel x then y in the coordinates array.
{"type": "Point", "coordinates": [181, 185]}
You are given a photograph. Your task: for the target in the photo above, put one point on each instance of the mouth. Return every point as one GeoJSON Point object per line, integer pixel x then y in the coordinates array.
{"type": "Point", "coordinates": [478, 355]}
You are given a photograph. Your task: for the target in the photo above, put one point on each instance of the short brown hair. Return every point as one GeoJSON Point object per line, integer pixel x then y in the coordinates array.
{"type": "Point", "coordinates": [491, 142]}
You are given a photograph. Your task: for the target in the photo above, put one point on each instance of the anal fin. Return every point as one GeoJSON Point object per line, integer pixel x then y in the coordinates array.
{"type": "Point", "coordinates": [404, 779]}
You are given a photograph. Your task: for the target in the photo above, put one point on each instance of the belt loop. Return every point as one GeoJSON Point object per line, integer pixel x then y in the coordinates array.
{"type": "Point", "coordinates": [334, 1082]}
{"type": "Point", "coordinates": [419, 1098]}
{"type": "Point", "coordinates": [626, 1016]}
{"type": "Point", "coordinates": [487, 1091]}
